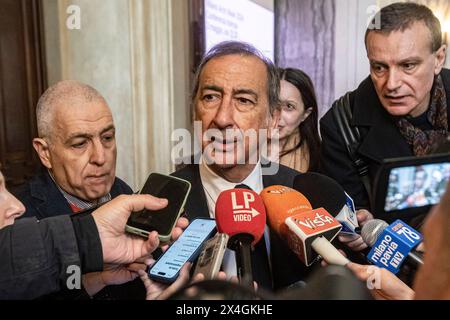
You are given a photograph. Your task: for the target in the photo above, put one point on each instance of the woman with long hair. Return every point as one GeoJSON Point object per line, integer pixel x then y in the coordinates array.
{"type": "Point", "coordinates": [298, 125]}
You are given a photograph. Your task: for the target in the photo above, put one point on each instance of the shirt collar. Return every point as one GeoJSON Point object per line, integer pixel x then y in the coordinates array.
{"type": "Point", "coordinates": [213, 184]}
{"type": "Point", "coordinates": [79, 203]}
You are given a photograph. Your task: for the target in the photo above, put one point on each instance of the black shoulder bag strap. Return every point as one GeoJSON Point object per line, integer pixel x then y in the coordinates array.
{"type": "Point", "coordinates": [352, 138]}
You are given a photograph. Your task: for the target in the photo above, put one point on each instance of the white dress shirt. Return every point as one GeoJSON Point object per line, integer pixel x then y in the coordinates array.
{"type": "Point", "coordinates": [213, 185]}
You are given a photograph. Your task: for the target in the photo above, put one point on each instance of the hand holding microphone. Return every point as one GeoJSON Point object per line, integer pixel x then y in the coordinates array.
{"type": "Point", "coordinates": [355, 241]}
{"type": "Point", "coordinates": [383, 284]}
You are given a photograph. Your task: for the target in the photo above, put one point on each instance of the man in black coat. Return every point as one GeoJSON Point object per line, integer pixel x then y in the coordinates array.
{"type": "Point", "coordinates": [402, 108]}
{"type": "Point", "coordinates": [236, 92]}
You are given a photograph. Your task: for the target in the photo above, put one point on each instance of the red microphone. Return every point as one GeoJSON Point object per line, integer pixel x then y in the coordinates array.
{"type": "Point", "coordinates": [240, 213]}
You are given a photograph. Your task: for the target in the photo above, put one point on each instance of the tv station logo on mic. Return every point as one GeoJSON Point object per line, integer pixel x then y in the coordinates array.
{"type": "Point", "coordinates": [393, 245]}
{"type": "Point", "coordinates": [305, 227]}
{"type": "Point", "coordinates": [315, 221]}
{"type": "Point", "coordinates": [243, 209]}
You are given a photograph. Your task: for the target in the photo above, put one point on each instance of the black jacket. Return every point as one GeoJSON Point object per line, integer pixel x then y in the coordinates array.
{"type": "Point", "coordinates": [286, 267]}
{"type": "Point", "coordinates": [42, 198]}
{"type": "Point", "coordinates": [380, 139]}
{"type": "Point", "coordinates": [35, 255]}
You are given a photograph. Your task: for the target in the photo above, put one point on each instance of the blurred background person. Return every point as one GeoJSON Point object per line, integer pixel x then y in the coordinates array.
{"type": "Point", "coordinates": [298, 124]}
{"type": "Point", "coordinates": [10, 207]}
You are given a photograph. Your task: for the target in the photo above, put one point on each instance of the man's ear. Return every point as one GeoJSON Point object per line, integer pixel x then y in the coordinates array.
{"type": "Point", "coordinates": [441, 56]}
{"type": "Point", "coordinates": [42, 148]}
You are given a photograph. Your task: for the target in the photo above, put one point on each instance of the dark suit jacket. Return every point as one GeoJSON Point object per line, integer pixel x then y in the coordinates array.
{"type": "Point", "coordinates": [42, 198]}
{"type": "Point", "coordinates": [380, 140]}
{"type": "Point", "coordinates": [286, 267]}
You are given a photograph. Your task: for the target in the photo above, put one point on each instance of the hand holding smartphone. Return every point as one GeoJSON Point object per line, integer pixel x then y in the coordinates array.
{"type": "Point", "coordinates": [186, 249]}
{"type": "Point", "coordinates": [176, 191]}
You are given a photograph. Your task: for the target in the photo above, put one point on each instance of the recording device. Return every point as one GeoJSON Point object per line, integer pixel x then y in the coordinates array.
{"type": "Point", "coordinates": [186, 249]}
{"type": "Point", "coordinates": [307, 232]}
{"type": "Point", "coordinates": [325, 192]}
{"type": "Point", "coordinates": [392, 245]}
{"type": "Point", "coordinates": [241, 215]}
{"type": "Point", "coordinates": [176, 191]}
{"type": "Point", "coordinates": [407, 187]}
{"type": "Point", "coordinates": [210, 260]}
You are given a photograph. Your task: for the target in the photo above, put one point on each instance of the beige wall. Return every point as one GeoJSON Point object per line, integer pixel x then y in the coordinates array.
{"type": "Point", "coordinates": [135, 52]}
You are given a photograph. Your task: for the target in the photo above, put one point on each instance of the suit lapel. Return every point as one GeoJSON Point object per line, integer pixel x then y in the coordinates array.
{"type": "Point", "coordinates": [196, 205]}
{"type": "Point", "coordinates": [47, 198]}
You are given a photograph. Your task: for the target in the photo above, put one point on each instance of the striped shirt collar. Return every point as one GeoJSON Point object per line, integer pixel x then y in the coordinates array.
{"type": "Point", "coordinates": [79, 203]}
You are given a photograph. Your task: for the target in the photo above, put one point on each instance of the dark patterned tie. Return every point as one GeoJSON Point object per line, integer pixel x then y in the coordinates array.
{"type": "Point", "coordinates": [260, 260]}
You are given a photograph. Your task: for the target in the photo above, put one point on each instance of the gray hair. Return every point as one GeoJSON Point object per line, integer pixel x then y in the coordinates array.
{"type": "Point", "coordinates": [400, 16]}
{"type": "Point", "coordinates": [227, 48]}
{"type": "Point", "coordinates": [63, 93]}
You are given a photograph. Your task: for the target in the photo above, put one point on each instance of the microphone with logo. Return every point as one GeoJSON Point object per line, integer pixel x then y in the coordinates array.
{"type": "Point", "coordinates": [393, 246]}
{"type": "Point", "coordinates": [307, 231]}
{"type": "Point", "coordinates": [240, 214]}
{"type": "Point", "coordinates": [324, 192]}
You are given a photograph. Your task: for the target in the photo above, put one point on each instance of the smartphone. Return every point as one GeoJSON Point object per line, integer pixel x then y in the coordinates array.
{"type": "Point", "coordinates": [186, 249]}
{"type": "Point", "coordinates": [176, 191]}
{"type": "Point", "coordinates": [211, 258]}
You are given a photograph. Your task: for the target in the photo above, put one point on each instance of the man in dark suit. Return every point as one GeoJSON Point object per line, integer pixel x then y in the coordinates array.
{"type": "Point", "coordinates": [402, 108]}
{"type": "Point", "coordinates": [77, 149]}
{"type": "Point", "coordinates": [236, 92]}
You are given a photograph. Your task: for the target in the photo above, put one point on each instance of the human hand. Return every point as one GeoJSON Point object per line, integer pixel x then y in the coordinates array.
{"type": "Point", "coordinates": [383, 284]}
{"type": "Point", "coordinates": [111, 218]}
{"type": "Point", "coordinates": [355, 242]}
{"type": "Point", "coordinates": [161, 291]}
{"type": "Point", "coordinates": [112, 275]}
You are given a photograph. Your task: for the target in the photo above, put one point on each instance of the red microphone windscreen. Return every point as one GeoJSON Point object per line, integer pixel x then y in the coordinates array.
{"type": "Point", "coordinates": [282, 202]}
{"type": "Point", "coordinates": [241, 211]}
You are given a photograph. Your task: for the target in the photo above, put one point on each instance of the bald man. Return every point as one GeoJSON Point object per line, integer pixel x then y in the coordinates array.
{"type": "Point", "coordinates": [77, 148]}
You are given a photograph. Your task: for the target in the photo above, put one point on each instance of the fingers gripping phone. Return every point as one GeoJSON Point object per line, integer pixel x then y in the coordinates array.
{"type": "Point", "coordinates": [176, 191]}
{"type": "Point", "coordinates": [186, 249]}
{"type": "Point", "coordinates": [211, 258]}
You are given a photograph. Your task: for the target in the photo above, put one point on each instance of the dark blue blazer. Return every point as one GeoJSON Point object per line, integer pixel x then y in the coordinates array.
{"type": "Point", "coordinates": [42, 198]}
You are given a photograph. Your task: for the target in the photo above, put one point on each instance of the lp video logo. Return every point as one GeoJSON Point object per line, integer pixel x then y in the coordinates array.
{"type": "Point", "coordinates": [243, 211]}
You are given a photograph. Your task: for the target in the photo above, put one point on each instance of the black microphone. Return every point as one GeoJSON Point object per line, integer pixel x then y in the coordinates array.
{"type": "Point", "coordinates": [324, 192]}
